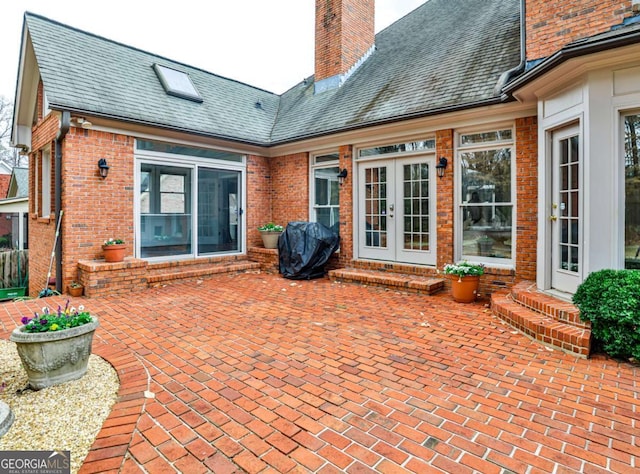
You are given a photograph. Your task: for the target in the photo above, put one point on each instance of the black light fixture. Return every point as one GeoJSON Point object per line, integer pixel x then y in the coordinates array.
{"type": "Point", "coordinates": [103, 167]}
{"type": "Point", "coordinates": [342, 175]}
{"type": "Point", "coordinates": [441, 166]}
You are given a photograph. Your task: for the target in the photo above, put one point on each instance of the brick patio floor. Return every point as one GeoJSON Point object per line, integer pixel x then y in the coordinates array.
{"type": "Point", "coordinates": [254, 373]}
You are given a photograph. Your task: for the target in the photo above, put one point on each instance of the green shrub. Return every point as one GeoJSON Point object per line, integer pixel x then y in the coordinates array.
{"type": "Point", "coordinates": [610, 299]}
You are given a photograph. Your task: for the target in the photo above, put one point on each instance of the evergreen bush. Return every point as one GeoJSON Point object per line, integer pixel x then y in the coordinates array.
{"type": "Point", "coordinates": [610, 299]}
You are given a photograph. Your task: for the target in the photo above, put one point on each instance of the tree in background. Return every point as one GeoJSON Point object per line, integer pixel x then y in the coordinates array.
{"type": "Point", "coordinates": [8, 154]}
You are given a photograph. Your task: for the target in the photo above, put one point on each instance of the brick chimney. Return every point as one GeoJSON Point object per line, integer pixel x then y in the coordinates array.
{"type": "Point", "coordinates": [345, 37]}
{"type": "Point", "coordinates": [552, 25]}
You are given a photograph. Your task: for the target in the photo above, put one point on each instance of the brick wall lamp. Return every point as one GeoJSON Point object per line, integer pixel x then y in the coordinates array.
{"type": "Point", "coordinates": [103, 168]}
{"type": "Point", "coordinates": [441, 166]}
{"type": "Point", "coordinates": [342, 176]}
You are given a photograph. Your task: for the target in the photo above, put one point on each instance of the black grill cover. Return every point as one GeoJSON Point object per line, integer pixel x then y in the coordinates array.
{"type": "Point", "coordinates": [305, 248]}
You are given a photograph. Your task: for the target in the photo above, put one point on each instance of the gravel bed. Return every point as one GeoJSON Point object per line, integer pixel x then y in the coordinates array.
{"type": "Point", "coordinates": [64, 417]}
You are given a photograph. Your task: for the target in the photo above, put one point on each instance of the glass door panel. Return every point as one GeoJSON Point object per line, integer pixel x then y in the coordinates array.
{"type": "Point", "coordinates": [218, 211]}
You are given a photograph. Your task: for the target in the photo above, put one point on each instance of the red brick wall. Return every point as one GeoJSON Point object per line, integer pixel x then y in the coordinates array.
{"type": "Point", "coordinates": [290, 188]}
{"type": "Point", "coordinates": [95, 209]}
{"type": "Point", "coordinates": [444, 148]}
{"type": "Point", "coordinates": [344, 32]}
{"type": "Point", "coordinates": [527, 197]}
{"type": "Point", "coordinates": [346, 206]}
{"type": "Point", "coordinates": [258, 206]}
{"type": "Point", "coordinates": [5, 179]}
{"type": "Point", "coordinates": [553, 24]}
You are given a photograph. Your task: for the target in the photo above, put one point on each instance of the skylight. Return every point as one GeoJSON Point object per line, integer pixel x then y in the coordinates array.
{"type": "Point", "coordinates": [177, 83]}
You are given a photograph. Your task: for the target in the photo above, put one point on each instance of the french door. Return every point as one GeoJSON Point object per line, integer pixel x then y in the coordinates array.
{"type": "Point", "coordinates": [397, 210]}
{"type": "Point", "coordinates": [565, 215]}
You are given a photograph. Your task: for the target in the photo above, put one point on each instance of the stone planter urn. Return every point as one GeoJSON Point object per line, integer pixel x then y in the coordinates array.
{"type": "Point", "coordinates": [465, 289]}
{"type": "Point", "coordinates": [55, 357]}
{"type": "Point", "coordinates": [114, 252]}
{"type": "Point", "coordinates": [270, 239]}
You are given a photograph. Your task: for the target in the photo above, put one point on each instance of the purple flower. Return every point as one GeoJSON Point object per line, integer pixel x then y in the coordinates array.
{"type": "Point", "coordinates": [25, 320]}
{"type": "Point", "coordinates": [43, 322]}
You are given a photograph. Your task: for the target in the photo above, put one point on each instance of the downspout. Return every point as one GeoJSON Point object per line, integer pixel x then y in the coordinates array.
{"type": "Point", "coordinates": [506, 76]}
{"type": "Point", "coordinates": [64, 128]}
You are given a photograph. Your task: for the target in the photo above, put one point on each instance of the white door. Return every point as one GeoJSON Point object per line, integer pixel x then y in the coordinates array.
{"type": "Point", "coordinates": [397, 210]}
{"type": "Point", "coordinates": [566, 211]}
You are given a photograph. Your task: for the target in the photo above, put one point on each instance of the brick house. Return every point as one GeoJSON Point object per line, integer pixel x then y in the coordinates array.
{"type": "Point", "coordinates": [528, 109]}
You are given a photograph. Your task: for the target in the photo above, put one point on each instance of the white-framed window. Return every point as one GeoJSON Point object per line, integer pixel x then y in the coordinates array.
{"type": "Point", "coordinates": [325, 187]}
{"type": "Point", "coordinates": [631, 128]}
{"type": "Point", "coordinates": [45, 183]}
{"type": "Point", "coordinates": [486, 196]}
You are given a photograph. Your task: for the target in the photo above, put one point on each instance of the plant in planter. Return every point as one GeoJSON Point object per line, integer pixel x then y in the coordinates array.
{"type": "Point", "coordinates": [270, 234]}
{"type": "Point", "coordinates": [114, 250]}
{"type": "Point", "coordinates": [75, 288]}
{"type": "Point", "coordinates": [55, 346]}
{"type": "Point", "coordinates": [464, 288]}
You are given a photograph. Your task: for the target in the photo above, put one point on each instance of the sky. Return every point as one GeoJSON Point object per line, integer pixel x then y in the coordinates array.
{"type": "Point", "coordinates": [264, 43]}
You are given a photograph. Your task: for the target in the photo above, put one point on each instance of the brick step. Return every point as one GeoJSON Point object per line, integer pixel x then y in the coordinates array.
{"type": "Point", "coordinates": [542, 327]}
{"type": "Point", "coordinates": [527, 294]}
{"type": "Point", "coordinates": [193, 269]}
{"type": "Point", "coordinates": [413, 283]}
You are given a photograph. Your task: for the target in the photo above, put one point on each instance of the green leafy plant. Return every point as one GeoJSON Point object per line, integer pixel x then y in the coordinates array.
{"type": "Point", "coordinates": [610, 299]}
{"type": "Point", "coordinates": [75, 284]}
{"type": "Point", "coordinates": [49, 321]}
{"type": "Point", "coordinates": [113, 242]}
{"type": "Point", "coordinates": [271, 227]}
{"type": "Point", "coordinates": [464, 268]}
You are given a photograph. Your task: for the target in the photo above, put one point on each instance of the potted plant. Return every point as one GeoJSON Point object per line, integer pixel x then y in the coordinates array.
{"type": "Point", "coordinates": [75, 288]}
{"type": "Point", "coordinates": [55, 346]}
{"type": "Point", "coordinates": [270, 234]}
{"type": "Point", "coordinates": [114, 250]}
{"type": "Point", "coordinates": [464, 288]}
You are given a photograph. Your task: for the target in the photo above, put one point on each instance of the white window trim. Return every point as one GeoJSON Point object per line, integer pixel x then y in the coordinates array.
{"type": "Point", "coordinates": [313, 166]}
{"type": "Point", "coordinates": [458, 228]}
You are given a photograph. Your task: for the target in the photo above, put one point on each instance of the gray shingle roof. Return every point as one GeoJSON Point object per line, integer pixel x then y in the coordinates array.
{"type": "Point", "coordinates": [19, 184]}
{"type": "Point", "coordinates": [84, 72]}
{"type": "Point", "coordinates": [445, 54]}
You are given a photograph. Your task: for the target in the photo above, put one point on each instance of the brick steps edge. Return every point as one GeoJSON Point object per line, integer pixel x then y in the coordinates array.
{"type": "Point", "coordinates": [542, 328]}
{"type": "Point", "coordinates": [391, 280]}
{"type": "Point", "coordinates": [528, 296]}
{"type": "Point", "coordinates": [203, 272]}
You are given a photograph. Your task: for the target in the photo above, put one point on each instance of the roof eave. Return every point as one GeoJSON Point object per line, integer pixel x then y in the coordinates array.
{"type": "Point", "coordinates": [573, 50]}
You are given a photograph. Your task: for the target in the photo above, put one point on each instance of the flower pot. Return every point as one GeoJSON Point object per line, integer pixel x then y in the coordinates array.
{"type": "Point", "coordinates": [114, 253]}
{"type": "Point", "coordinates": [270, 239]}
{"type": "Point", "coordinates": [465, 289]}
{"type": "Point", "coordinates": [75, 290]}
{"type": "Point", "coordinates": [55, 357]}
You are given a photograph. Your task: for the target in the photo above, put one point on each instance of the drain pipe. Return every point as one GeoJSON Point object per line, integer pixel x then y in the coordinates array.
{"type": "Point", "coordinates": [506, 76]}
{"type": "Point", "coordinates": [64, 128]}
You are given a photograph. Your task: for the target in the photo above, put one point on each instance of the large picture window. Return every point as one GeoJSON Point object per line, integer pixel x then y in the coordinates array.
{"type": "Point", "coordinates": [486, 196]}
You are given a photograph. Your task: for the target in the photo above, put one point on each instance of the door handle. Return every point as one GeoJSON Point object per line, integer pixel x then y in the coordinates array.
{"type": "Point", "coordinates": [553, 218]}
{"type": "Point", "coordinates": [391, 208]}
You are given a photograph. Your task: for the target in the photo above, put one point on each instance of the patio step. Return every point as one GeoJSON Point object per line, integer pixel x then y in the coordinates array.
{"type": "Point", "coordinates": [401, 281]}
{"type": "Point", "coordinates": [542, 317]}
{"type": "Point", "coordinates": [196, 269]}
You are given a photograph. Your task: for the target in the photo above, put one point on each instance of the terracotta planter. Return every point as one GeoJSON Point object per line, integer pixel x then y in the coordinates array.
{"type": "Point", "coordinates": [75, 290]}
{"type": "Point", "coordinates": [270, 239]}
{"type": "Point", "coordinates": [114, 253]}
{"type": "Point", "coordinates": [465, 289]}
{"type": "Point", "coordinates": [55, 357]}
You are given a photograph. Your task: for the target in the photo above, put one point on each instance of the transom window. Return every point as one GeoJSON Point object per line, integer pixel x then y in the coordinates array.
{"type": "Point", "coordinates": [486, 196]}
{"type": "Point", "coordinates": [408, 147]}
